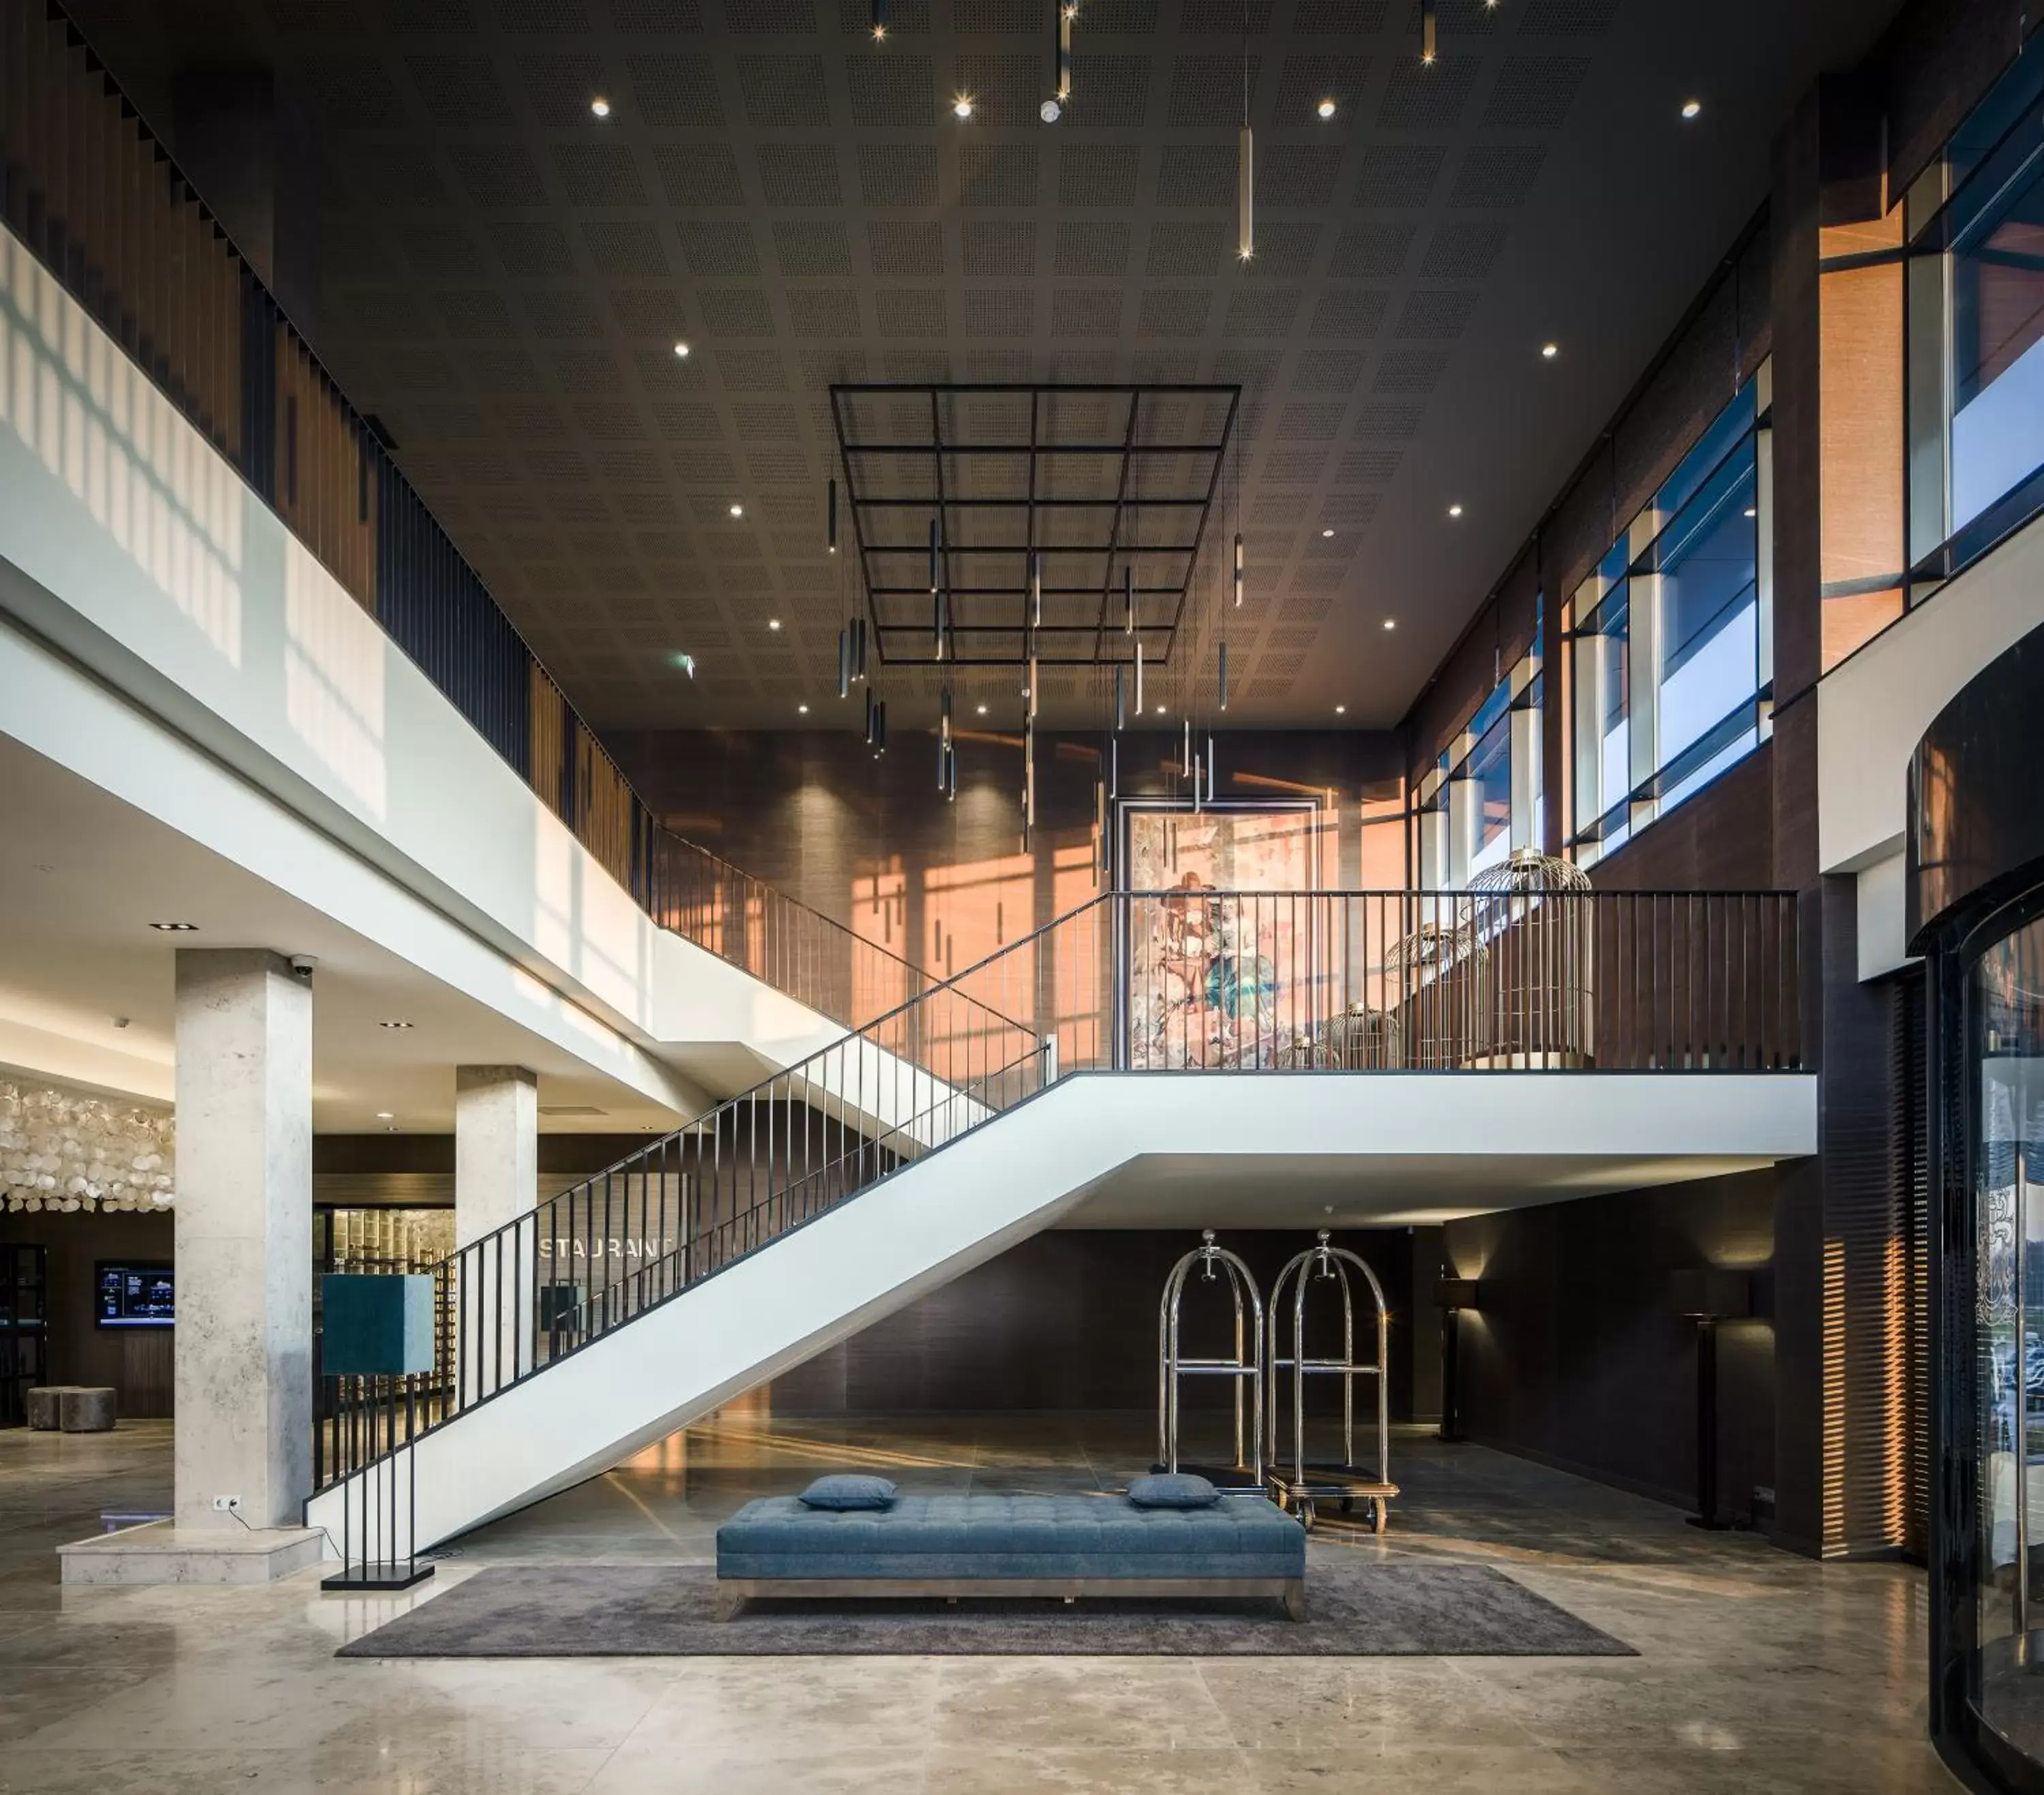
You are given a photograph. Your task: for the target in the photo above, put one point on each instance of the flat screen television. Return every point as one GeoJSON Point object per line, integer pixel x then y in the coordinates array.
{"type": "Point", "coordinates": [136, 1296]}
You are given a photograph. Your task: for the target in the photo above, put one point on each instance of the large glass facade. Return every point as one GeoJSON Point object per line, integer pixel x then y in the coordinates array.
{"type": "Point", "coordinates": [1991, 1676]}
{"type": "Point", "coordinates": [1975, 225]}
{"type": "Point", "coordinates": [1669, 637]}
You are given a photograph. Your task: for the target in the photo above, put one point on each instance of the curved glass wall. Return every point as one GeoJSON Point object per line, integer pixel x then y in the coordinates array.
{"type": "Point", "coordinates": [1991, 1674]}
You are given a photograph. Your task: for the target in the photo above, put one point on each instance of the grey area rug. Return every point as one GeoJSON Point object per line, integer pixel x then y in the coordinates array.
{"type": "Point", "coordinates": [653, 1610]}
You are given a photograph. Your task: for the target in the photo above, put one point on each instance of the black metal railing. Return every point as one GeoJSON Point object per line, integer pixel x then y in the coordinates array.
{"type": "Point", "coordinates": [1477, 982]}
{"type": "Point", "coordinates": [103, 210]}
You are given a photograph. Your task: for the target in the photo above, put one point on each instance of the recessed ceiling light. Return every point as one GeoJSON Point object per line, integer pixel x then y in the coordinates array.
{"type": "Point", "coordinates": [1391, 623]}
{"type": "Point", "coordinates": [1160, 710]}
{"type": "Point", "coordinates": [394, 1023]}
{"type": "Point", "coordinates": [738, 511]}
{"type": "Point", "coordinates": [1548, 351]}
{"type": "Point", "coordinates": [1455, 510]}
{"type": "Point", "coordinates": [1341, 710]}
{"type": "Point", "coordinates": [600, 106]}
{"type": "Point", "coordinates": [681, 350]}
{"type": "Point", "coordinates": [962, 106]}
{"type": "Point", "coordinates": [387, 1116]}
{"type": "Point", "coordinates": [1753, 511]}
{"type": "Point", "coordinates": [176, 927]}
{"type": "Point", "coordinates": [1328, 532]}
{"type": "Point", "coordinates": [1325, 109]}
{"type": "Point", "coordinates": [801, 710]}
{"type": "Point", "coordinates": [1692, 109]}
{"type": "Point", "coordinates": [773, 623]}
{"type": "Point", "coordinates": [981, 709]}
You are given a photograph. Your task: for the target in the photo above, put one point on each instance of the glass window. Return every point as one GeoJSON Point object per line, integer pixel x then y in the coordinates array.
{"type": "Point", "coordinates": [1669, 644]}
{"type": "Point", "coordinates": [1484, 797]}
{"type": "Point", "coordinates": [1976, 334]}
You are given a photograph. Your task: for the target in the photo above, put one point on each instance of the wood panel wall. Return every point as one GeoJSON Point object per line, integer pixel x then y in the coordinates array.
{"type": "Point", "coordinates": [137, 1364]}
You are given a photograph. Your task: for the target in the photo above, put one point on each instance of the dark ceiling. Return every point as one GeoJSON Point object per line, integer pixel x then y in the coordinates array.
{"type": "Point", "coordinates": [503, 278]}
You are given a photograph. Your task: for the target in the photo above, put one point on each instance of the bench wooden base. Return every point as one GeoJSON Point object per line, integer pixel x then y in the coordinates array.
{"type": "Point", "coordinates": [733, 1593]}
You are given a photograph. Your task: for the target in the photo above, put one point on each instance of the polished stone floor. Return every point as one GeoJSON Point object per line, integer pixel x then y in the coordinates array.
{"type": "Point", "coordinates": [1758, 1671]}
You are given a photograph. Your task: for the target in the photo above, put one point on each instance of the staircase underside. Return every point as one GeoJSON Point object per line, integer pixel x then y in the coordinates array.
{"type": "Point", "coordinates": [1129, 1150]}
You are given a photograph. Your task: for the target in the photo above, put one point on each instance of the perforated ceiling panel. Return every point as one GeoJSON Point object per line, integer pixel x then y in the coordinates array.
{"type": "Point", "coordinates": [503, 278]}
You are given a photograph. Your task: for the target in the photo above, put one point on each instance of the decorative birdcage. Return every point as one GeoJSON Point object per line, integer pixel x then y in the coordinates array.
{"type": "Point", "coordinates": [1432, 975]}
{"type": "Point", "coordinates": [1534, 993]}
{"type": "Point", "coordinates": [1365, 1039]}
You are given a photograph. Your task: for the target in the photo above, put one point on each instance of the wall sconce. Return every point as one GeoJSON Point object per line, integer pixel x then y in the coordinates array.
{"type": "Point", "coordinates": [1451, 1296]}
{"type": "Point", "coordinates": [1707, 1296]}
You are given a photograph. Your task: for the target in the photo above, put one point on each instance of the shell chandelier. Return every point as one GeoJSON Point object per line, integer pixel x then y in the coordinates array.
{"type": "Point", "coordinates": [64, 1152]}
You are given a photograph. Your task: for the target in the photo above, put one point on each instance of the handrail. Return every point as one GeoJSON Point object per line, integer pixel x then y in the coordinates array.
{"type": "Point", "coordinates": [1185, 979]}
{"type": "Point", "coordinates": [101, 204]}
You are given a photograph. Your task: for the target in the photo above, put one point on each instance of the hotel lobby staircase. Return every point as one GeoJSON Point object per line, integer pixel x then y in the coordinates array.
{"type": "Point", "coordinates": [930, 1139]}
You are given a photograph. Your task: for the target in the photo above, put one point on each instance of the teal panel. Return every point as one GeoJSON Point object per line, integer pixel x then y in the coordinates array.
{"type": "Point", "coordinates": [372, 1324]}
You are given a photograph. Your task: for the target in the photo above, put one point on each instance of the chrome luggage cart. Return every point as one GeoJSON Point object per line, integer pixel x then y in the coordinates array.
{"type": "Point", "coordinates": [1296, 1484]}
{"type": "Point", "coordinates": [1246, 1368]}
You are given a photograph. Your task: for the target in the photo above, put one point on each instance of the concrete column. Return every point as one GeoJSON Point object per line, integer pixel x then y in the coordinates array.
{"type": "Point", "coordinates": [496, 1183]}
{"type": "Point", "coordinates": [244, 1240]}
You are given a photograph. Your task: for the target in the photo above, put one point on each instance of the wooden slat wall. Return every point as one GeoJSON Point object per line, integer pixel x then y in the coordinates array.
{"type": "Point", "coordinates": [322, 488]}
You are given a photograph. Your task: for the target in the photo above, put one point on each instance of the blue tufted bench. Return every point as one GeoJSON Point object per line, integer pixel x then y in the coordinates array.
{"type": "Point", "coordinates": [1067, 1546]}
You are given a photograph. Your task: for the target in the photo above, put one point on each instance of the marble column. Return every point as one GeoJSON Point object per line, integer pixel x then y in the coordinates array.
{"type": "Point", "coordinates": [496, 1183]}
{"type": "Point", "coordinates": [244, 1236]}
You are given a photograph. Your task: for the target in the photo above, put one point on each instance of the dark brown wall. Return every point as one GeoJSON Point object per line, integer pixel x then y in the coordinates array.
{"type": "Point", "coordinates": [1576, 1357]}
{"type": "Point", "coordinates": [136, 1363]}
{"type": "Point", "coordinates": [1721, 839]}
{"type": "Point", "coordinates": [1068, 1320]}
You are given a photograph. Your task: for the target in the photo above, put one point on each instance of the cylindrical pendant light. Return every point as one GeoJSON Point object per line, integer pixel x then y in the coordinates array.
{"type": "Point", "coordinates": [1032, 680]}
{"type": "Point", "coordinates": [845, 662]}
{"type": "Point", "coordinates": [1120, 698]}
{"type": "Point", "coordinates": [1065, 13]}
{"type": "Point", "coordinates": [1036, 589]}
{"type": "Point", "coordinates": [950, 781]}
{"type": "Point", "coordinates": [1138, 676]}
{"type": "Point", "coordinates": [869, 717]}
{"type": "Point", "coordinates": [1213, 765]}
{"type": "Point", "coordinates": [1114, 767]}
{"type": "Point", "coordinates": [880, 728]}
{"type": "Point", "coordinates": [1238, 570]}
{"type": "Point", "coordinates": [1187, 763]}
{"type": "Point", "coordinates": [879, 20]}
{"type": "Point", "coordinates": [1028, 775]}
{"type": "Point", "coordinates": [1430, 33]}
{"type": "Point", "coordinates": [1224, 676]}
{"type": "Point", "coordinates": [830, 517]}
{"type": "Point", "coordinates": [933, 557]}
{"type": "Point", "coordinates": [944, 736]}
{"type": "Point", "coordinates": [1245, 193]}
{"type": "Point", "coordinates": [1129, 597]}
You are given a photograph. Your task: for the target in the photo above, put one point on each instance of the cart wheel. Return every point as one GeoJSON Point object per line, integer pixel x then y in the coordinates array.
{"type": "Point", "coordinates": [1380, 1519]}
{"type": "Point", "coordinates": [1307, 1516]}
{"type": "Point", "coordinates": [1284, 1499]}
{"type": "Point", "coordinates": [1348, 1505]}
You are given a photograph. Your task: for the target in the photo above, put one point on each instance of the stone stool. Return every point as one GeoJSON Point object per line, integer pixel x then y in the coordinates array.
{"type": "Point", "coordinates": [44, 1404]}
{"type": "Point", "coordinates": [86, 1409]}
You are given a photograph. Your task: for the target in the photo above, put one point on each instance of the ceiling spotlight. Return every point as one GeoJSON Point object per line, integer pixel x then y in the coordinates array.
{"type": "Point", "coordinates": [176, 927]}
{"type": "Point", "coordinates": [1325, 533]}
{"type": "Point", "coordinates": [1325, 109]}
{"type": "Point", "coordinates": [738, 511]}
{"type": "Point", "coordinates": [981, 709]}
{"type": "Point", "coordinates": [1160, 710]}
{"type": "Point", "coordinates": [773, 623]}
{"type": "Point", "coordinates": [962, 106]}
{"type": "Point", "coordinates": [879, 21]}
{"type": "Point", "coordinates": [1391, 623]}
{"type": "Point", "coordinates": [387, 1116]}
{"type": "Point", "coordinates": [681, 351]}
{"type": "Point", "coordinates": [1341, 710]}
{"type": "Point", "coordinates": [600, 106]}
{"type": "Point", "coordinates": [1751, 511]}
{"type": "Point", "coordinates": [1692, 109]}
{"type": "Point", "coordinates": [686, 664]}
{"type": "Point", "coordinates": [1548, 351]}
{"type": "Point", "coordinates": [801, 710]}
{"type": "Point", "coordinates": [1050, 112]}
{"type": "Point", "coordinates": [394, 1023]}
{"type": "Point", "coordinates": [1455, 510]}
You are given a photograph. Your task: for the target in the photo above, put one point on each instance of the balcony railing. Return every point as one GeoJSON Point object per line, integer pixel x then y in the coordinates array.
{"type": "Point", "coordinates": [99, 203]}
{"type": "Point", "coordinates": [1184, 980]}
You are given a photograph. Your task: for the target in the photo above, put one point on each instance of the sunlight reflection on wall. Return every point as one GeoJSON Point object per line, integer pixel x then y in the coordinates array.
{"type": "Point", "coordinates": [162, 494]}
{"type": "Point", "coordinates": [333, 677]}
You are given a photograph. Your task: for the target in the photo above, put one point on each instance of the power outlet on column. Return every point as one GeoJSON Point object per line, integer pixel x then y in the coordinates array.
{"type": "Point", "coordinates": [227, 1505]}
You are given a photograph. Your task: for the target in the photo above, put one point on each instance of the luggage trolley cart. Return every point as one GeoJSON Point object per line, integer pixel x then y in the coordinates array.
{"type": "Point", "coordinates": [1295, 1484]}
{"type": "Point", "coordinates": [1246, 1476]}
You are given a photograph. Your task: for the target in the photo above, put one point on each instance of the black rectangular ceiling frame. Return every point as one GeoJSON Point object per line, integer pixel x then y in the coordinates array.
{"type": "Point", "coordinates": [1100, 515]}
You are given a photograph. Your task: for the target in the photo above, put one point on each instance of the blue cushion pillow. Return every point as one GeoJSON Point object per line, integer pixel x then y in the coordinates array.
{"type": "Point", "coordinates": [847, 1490]}
{"type": "Point", "coordinates": [1172, 1490]}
